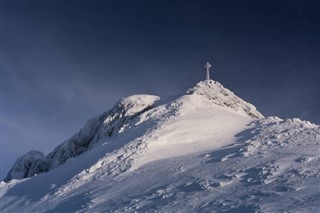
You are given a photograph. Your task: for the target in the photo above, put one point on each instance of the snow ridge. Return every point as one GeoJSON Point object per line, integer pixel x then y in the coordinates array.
{"type": "Point", "coordinates": [126, 114]}
{"type": "Point", "coordinates": [105, 125]}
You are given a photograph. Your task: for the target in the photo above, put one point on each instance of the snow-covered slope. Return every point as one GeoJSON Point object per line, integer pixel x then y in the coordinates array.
{"type": "Point", "coordinates": [105, 125]}
{"type": "Point", "coordinates": [206, 151]}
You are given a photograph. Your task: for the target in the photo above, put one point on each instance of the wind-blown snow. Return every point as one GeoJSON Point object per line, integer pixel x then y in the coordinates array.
{"type": "Point", "coordinates": [206, 151]}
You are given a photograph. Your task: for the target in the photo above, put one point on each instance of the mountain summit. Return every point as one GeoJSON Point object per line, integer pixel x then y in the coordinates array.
{"type": "Point", "coordinates": [207, 150]}
{"type": "Point", "coordinates": [218, 95]}
{"type": "Point", "coordinates": [206, 96]}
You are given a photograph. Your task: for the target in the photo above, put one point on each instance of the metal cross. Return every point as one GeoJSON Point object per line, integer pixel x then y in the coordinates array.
{"type": "Point", "coordinates": [207, 66]}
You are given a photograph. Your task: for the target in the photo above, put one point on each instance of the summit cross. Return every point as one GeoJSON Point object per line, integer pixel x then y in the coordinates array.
{"type": "Point", "coordinates": [207, 67]}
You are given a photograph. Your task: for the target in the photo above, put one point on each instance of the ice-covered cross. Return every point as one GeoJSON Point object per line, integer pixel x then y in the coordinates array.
{"type": "Point", "coordinates": [207, 66]}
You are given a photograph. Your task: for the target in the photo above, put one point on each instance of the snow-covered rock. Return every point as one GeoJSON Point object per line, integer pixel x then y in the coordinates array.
{"type": "Point", "coordinates": [205, 151]}
{"type": "Point", "coordinates": [105, 125]}
{"type": "Point", "coordinates": [217, 94]}
{"type": "Point", "coordinates": [30, 164]}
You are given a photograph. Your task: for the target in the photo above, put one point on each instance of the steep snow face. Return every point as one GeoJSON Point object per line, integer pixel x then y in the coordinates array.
{"type": "Point", "coordinates": [104, 125]}
{"type": "Point", "coordinates": [197, 121]}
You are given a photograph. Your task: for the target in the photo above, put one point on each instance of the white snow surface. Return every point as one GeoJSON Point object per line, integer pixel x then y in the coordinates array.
{"type": "Point", "coordinates": [206, 151]}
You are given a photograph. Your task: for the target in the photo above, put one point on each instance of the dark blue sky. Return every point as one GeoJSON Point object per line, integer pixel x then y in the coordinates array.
{"type": "Point", "coordinates": [66, 61]}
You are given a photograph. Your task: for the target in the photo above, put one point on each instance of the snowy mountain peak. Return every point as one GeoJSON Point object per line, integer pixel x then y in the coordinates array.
{"type": "Point", "coordinates": [219, 95]}
{"type": "Point", "coordinates": [205, 151]}
{"type": "Point", "coordinates": [207, 98]}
